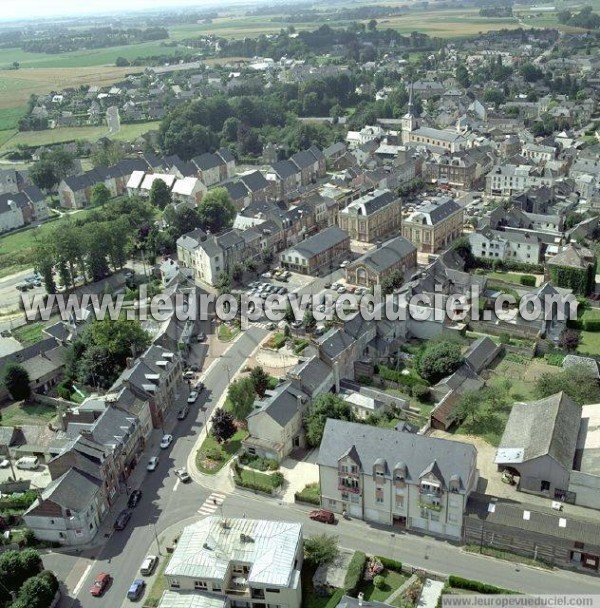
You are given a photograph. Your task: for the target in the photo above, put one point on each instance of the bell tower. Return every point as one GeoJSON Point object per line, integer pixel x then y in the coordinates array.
{"type": "Point", "coordinates": [409, 120]}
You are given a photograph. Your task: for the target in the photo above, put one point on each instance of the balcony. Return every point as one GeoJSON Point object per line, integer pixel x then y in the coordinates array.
{"type": "Point", "coordinates": [433, 492]}
{"type": "Point", "coordinates": [431, 506]}
{"type": "Point", "coordinates": [345, 488]}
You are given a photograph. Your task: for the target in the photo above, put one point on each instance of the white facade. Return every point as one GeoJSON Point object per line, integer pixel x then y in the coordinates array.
{"type": "Point", "coordinates": [11, 217]}
{"type": "Point", "coordinates": [506, 246]}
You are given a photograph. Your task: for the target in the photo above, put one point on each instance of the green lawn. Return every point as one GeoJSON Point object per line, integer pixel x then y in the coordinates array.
{"type": "Point", "coordinates": [311, 493]}
{"type": "Point", "coordinates": [253, 476]}
{"type": "Point", "coordinates": [590, 343]}
{"type": "Point", "coordinates": [28, 334]}
{"type": "Point", "coordinates": [507, 277]}
{"type": "Point", "coordinates": [32, 413]}
{"type": "Point", "coordinates": [226, 333]}
{"type": "Point", "coordinates": [212, 457]}
{"type": "Point", "coordinates": [393, 581]}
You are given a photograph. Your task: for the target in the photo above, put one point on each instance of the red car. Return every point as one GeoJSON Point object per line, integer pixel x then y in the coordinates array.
{"type": "Point", "coordinates": [326, 517]}
{"type": "Point", "coordinates": [100, 584]}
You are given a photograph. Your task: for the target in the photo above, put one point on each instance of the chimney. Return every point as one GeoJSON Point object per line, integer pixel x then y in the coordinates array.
{"type": "Point", "coordinates": [361, 597]}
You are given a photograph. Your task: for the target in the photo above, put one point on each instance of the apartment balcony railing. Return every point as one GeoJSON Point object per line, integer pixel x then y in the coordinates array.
{"type": "Point", "coordinates": [430, 492]}
{"type": "Point", "coordinates": [344, 488]}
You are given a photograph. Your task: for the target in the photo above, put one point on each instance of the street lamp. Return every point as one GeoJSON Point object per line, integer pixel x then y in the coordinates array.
{"type": "Point", "coordinates": [156, 538]}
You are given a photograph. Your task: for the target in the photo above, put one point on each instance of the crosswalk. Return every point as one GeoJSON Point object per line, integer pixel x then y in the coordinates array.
{"type": "Point", "coordinates": [261, 324]}
{"type": "Point", "coordinates": [212, 503]}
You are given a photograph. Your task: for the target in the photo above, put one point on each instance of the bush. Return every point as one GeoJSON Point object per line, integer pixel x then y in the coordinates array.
{"type": "Point", "coordinates": [464, 583]}
{"type": "Point", "coordinates": [379, 581]}
{"type": "Point", "coordinates": [278, 479]}
{"type": "Point", "coordinates": [527, 280]}
{"type": "Point", "coordinates": [253, 485]}
{"type": "Point", "coordinates": [365, 380]}
{"type": "Point", "coordinates": [554, 359]}
{"type": "Point", "coordinates": [21, 501]}
{"type": "Point", "coordinates": [390, 564]}
{"type": "Point", "coordinates": [355, 572]}
{"type": "Point", "coordinates": [420, 392]}
{"type": "Point", "coordinates": [591, 325]}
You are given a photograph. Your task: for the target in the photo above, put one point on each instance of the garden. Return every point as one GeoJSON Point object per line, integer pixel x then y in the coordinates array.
{"type": "Point", "coordinates": [214, 455]}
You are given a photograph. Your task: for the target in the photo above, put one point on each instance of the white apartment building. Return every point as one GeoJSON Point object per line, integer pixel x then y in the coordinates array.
{"type": "Point", "coordinates": [506, 180]}
{"type": "Point", "coordinates": [244, 563]}
{"type": "Point", "coordinates": [406, 480]}
{"type": "Point", "coordinates": [506, 246]}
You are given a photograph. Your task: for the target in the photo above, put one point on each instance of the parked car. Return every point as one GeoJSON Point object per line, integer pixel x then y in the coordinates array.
{"type": "Point", "coordinates": [4, 463]}
{"type": "Point", "coordinates": [192, 397]}
{"type": "Point", "coordinates": [183, 412]}
{"type": "Point", "coordinates": [341, 289]}
{"type": "Point", "coordinates": [189, 375]}
{"type": "Point", "coordinates": [327, 285]}
{"type": "Point", "coordinates": [296, 324]}
{"type": "Point", "coordinates": [194, 368]}
{"type": "Point", "coordinates": [267, 275]}
{"type": "Point", "coordinates": [134, 499]}
{"type": "Point", "coordinates": [183, 475]}
{"type": "Point", "coordinates": [336, 286]}
{"type": "Point", "coordinates": [136, 590]}
{"type": "Point", "coordinates": [152, 464]}
{"type": "Point", "coordinates": [166, 441]}
{"type": "Point", "coordinates": [122, 520]}
{"type": "Point", "coordinates": [326, 517]}
{"type": "Point", "coordinates": [101, 582]}
{"type": "Point", "coordinates": [148, 565]}
{"type": "Point", "coordinates": [344, 264]}
{"type": "Point", "coordinates": [201, 337]}
{"type": "Point", "coordinates": [271, 326]}
{"type": "Point", "coordinates": [199, 386]}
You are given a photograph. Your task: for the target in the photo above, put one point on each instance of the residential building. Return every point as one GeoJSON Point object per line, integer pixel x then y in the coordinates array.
{"type": "Point", "coordinates": [187, 245]}
{"type": "Point", "coordinates": [319, 253]}
{"type": "Point", "coordinates": [573, 267]}
{"type": "Point", "coordinates": [522, 247]}
{"type": "Point", "coordinates": [242, 562]}
{"type": "Point", "coordinates": [67, 510]}
{"type": "Point", "coordinates": [406, 480]}
{"type": "Point", "coordinates": [11, 213]}
{"type": "Point", "coordinates": [506, 180]}
{"type": "Point", "coordinates": [370, 269]}
{"type": "Point", "coordinates": [156, 376]}
{"type": "Point", "coordinates": [311, 163]}
{"type": "Point", "coordinates": [462, 169]}
{"type": "Point", "coordinates": [372, 217]}
{"type": "Point", "coordinates": [275, 423]}
{"type": "Point", "coordinates": [539, 444]}
{"type": "Point", "coordinates": [433, 225]}
{"type": "Point", "coordinates": [285, 176]}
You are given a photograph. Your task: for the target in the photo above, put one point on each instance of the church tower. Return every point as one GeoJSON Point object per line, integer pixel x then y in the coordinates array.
{"type": "Point", "coordinates": [409, 120]}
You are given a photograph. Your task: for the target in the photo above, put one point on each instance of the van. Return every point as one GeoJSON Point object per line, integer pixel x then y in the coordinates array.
{"type": "Point", "coordinates": [28, 462]}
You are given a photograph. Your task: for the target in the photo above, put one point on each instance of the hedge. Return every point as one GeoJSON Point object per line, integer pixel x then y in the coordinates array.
{"type": "Point", "coordinates": [355, 572]}
{"type": "Point", "coordinates": [490, 264]}
{"type": "Point", "coordinates": [390, 564]}
{"type": "Point", "coordinates": [527, 280]}
{"type": "Point", "coordinates": [253, 485]}
{"type": "Point", "coordinates": [591, 325]}
{"type": "Point", "coordinates": [21, 501]}
{"type": "Point", "coordinates": [408, 380]}
{"type": "Point", "coordinates": [464, 583]}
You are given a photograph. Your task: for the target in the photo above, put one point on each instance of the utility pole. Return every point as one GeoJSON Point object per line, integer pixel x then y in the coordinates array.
{"type": "Point", "coordinates": [156, 538]}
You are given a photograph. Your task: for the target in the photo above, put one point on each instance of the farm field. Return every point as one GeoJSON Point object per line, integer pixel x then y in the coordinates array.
{"type": "Point", "coordinates": [128, 132]}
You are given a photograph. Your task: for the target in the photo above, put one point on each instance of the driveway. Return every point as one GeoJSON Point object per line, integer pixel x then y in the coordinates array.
{"type": "Point", "coordinates": [298, 474]}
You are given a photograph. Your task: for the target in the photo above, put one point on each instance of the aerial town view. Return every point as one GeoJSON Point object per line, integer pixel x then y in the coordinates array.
{"type": "Point", "coordinates": [299, 304]}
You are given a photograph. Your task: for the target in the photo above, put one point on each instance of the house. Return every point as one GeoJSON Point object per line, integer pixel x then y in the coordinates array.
{"type": "Point", "coordinates": [285, 176]}
{"type": "Point", "coordinates": [239, 194]}
{"type": "Point", "coordinates": [539, 444]}
{"type": "Point", "coordinates": [373, 267]}
{"type": "Point", "coordinates": [188, 191]}
{"type": "Point", "coordinates": [406, 480]}
{"type": "Point", "coordinates": [573, 267]}
{"type": "Point", "coordinates": [259, 188]}
{"type": "Point", "coordinates": [482, 353]}
{"type": "Point", "coordinates": [554, 537]}
{"type": "Point", "coordinates": [372, 217]}
{"type": "Point", "coordinates": [155, 377]}
{"type": "Point", "coordinates": [275, 424]}
{"type": "Point", "coordinates": [507, 246]}
{"type": "Point", "coordinates": [209, 168]}
{"type": "Point", "coordinates": [233, 558]}
{"type": "Point", "coordinates": [67, 511]}
{"type": "Point", "coordinates": [11, 213]}
{"type": "Point", "coordinates": [187, 245]}
{"type": "Point", "coordinates": [335, 152]}
{"type": "Point", "coordinates": [433, 225]}
{"type": "Point", "coordinates": [37, 202]}
{"type": "Point", "coordinates": [311, 164]}
{"type": "Point", "coordinates": [319, 253]}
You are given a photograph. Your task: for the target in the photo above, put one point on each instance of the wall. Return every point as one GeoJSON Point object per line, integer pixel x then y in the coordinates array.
{"type": "Point", "coordinates": [587, 489]}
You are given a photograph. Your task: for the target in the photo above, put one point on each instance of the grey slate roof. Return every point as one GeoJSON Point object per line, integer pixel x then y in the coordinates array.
{"type": "Point", "coordinates": [371, 202]}
{"type": "Point", "coordinates": [303, 159]}
{"type": "Point", "coordinates": [207, 161]}
{"type": "Point", "coordinates": [334, 342]}
{"type": "Point", "coordinates": [73, 490]}
{"type": "Point", "coordinates": [281, 405]}
{"type": "Point", "coordinates": [192, 239]}
{"type": "Point", "coordinates": [285, 169]}
{"type": "Point", "coordinates": [440, 209]}
{"type": "Point", "coordinates": [312, 374]}
{"type": "Point", "coordinates": [419, 453]}
{"type": "Point", "coordinates": [237, 190]}
{"type": "Point", "coordinates": [320, 242]}
{"type": "Point", "coordinates": [387, 255]}
{"type": "Point", "coordinates": [255, 181]}
{"type": "Point", "coordinates": [545, 427]}
{"type": "Point", "coordinates": [482, 352]}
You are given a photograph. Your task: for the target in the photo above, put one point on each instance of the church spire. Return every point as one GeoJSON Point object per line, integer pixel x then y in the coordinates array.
{"type": "Point", "coordinates": [410, 99]}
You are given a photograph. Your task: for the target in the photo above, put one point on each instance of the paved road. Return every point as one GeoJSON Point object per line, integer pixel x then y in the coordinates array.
{"type": "Point", "coordinates": [165, 501]}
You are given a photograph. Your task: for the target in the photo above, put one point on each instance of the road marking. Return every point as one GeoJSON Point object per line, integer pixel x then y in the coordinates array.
{"type": "Point", "coordinates": [176, 485]}
{"type": "Point", "coordinates": [212, 503]}
{"type": "Point", "coordinates": [79, 585]}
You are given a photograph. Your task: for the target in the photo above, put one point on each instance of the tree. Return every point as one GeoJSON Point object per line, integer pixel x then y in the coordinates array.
{"type": "Point", "coordinates": [578, 382]}
{"type": "Point", "coordinates": [121, 62]}
{"type": "Point", "coordinates": [321, 549]}
{"type": "Point", "coordinates": [223, 283]}
{"type": "Point", "coordinates": [180, 221]}
{"type": "Point", "coordinates": [289, 315]}
{"type": "Point", "coordinates": [223, 427]}
{"type": "Point", "coordinates": [309, 320]}
{"type": "Point", "coordinates": [160, 195]}
{"type": "Point", "coordinates": [44, 262]}
{"type": "Point", "coordinates": [466, 408]}
{"type": "Point", "coordinates": [462, 75]}
{"type": "Point", "coordinates": [238, 272]}
{"type": "Point", "coordinates": [462, 246]}
{"type": "Point", "coordinates": [100, 195]}
{"type": "Point", "coordinates": [43, 176]}
{"type": "Point", "coordinates": [36, 592]}
{"type": "Point", "coordinates": [391, 282]}
{"type": "Point", "coordinates": [323, 407]}
{"type": "Point", "coordinates": [569, 339]}
{"type": "Point", "coordinates": [241, 396]}
{"type": "Point", "coordinates": [51, 168]}
{"type": "Point", "coordinates": [216, 211]}
{"type": "Point", "coordinates": [266, 256]}
{"type": "Point", "coordinates": [260, 380]}
{"type": "Point", "coordinates": [372, 25]}
{"type": "Point", "coordinates": [438, 360]}
{"type": "Point", "coordinates": [16, 380]}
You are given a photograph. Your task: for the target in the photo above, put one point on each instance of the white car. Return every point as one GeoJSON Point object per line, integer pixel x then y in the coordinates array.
{"type": "Point", "coordinates": [344, 264]}
{"type": "Point", "coordinates": [192, 397]}
{"type": "Point", "coordinates": [4, 463]}
{"type": "Point", "coordinates": [152, 463]}
{"type": "Point", "coordinates": [166, 441]}
{"type": "Point", "coordinates": [183, 475]}
{"type": "Point", "coordinates": [341, 289]}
